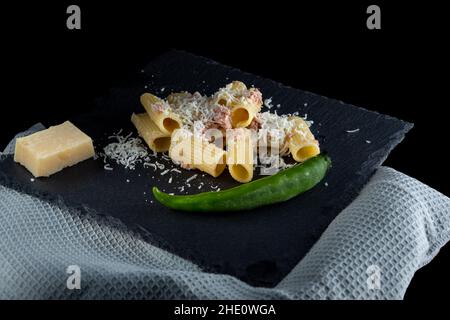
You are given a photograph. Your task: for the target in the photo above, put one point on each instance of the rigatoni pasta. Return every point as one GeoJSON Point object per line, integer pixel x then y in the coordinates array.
{"type": "Point", "coordinates": [160, 113]}
{"type": "Point", "coordinates": [240, 154]}
{"type": "Point", "coordinates": [302, 144]}
{"type": "Point", "coordinates": [244, 103]}
{"type": "Point", "coordinates": [225, 129]}
{"type": "Point", "coordinates": [230, 93]}
{"type": "Point", "coordinates": [244, 110]}
{"type": "Point", "coordinates": [176, 98]}
{"type": "Point", "coordinates": [193, 152]}
{"type": "Point", "coordinates": [157, 140]}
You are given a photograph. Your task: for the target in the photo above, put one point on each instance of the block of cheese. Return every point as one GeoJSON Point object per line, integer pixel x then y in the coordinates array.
{"type": "Point", "coordinates": [46, 152]}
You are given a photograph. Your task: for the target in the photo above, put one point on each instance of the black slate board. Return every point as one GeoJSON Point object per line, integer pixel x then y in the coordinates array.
{"type": "Point", "coordinates": [259, 246]}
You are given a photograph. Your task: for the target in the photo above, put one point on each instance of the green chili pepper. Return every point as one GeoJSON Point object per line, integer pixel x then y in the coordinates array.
{"type": "Point", "coordinates": [282, 186]}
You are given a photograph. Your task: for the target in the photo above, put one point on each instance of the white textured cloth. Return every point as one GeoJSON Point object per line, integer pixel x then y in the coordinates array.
{"type": "Point", "coordinates": [370, 251]}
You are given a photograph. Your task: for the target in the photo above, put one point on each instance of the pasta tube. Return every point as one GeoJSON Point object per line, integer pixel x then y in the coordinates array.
{"type": "Point", "coordinates": [240, 154]}
{"type": "Point", "coordinates": [227, 95]}
{"type": "Point", "coordinates": [194, 152]}
{"type": "Point", "coordinates": [244, 103]}
{"type": "Point", "coordinates": [176, 97]}
{"type": "Point", "coordinates": [302, 143]}
{"type": "Point", "coordinates": [149, 131]}
{"type": "Point", "coordinates": [245, 108]}
{"type": "Point", "coordinates": [238, 87]}
{"type": "Point", "coordinates": [161, 114]}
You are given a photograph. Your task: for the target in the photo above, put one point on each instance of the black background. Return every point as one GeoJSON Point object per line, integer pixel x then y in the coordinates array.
{"type": "Point", "coordinates": [51, 73]}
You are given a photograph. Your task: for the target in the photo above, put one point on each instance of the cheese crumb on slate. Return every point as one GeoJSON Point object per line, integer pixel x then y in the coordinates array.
{"type": "Point", "coordinates": [268, 103]}
{"type": "Point", "coordinates": [160, 165]}
{"type": "Point", "coordinates": [191, 178]}
{"type": "Point", "coordinates": [152, 165]}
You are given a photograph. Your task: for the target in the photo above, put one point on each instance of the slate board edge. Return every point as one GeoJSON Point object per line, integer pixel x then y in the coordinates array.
{"type": "Point", "coordinates": [408, 125]}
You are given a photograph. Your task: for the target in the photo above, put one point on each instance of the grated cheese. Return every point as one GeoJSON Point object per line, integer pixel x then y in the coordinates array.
{"type": "Point", "coordinates": [191, 178]}
{"type": "Point", "coordinates": [148, 164]}
{"type": "Point", "coordinates": [271, 164]}
{"type": "Point", "coordinates": [126, 151]}
{"type": "Point", "coordinates": [273, 130]}
{"type": "Point", "coordinates": [268, 103]}
{"type": "Point", "coordinates": [192, 108]}
{"type": "Point", "coordinates": [160, 165]}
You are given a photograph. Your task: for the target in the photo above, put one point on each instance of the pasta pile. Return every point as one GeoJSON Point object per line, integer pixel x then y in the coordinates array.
{"type": "Point", "coordinates": [224, 130]}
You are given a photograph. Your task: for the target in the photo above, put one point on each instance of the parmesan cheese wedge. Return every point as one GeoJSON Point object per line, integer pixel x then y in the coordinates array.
{"type": "Point", "coordinates": [46, 152]}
